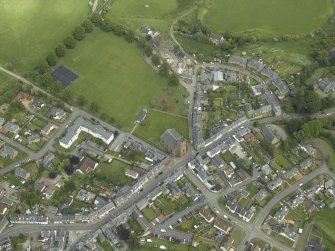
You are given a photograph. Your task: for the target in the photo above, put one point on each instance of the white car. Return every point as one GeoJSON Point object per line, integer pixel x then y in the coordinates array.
{"type": "Point", "coordinates": [163, 230]}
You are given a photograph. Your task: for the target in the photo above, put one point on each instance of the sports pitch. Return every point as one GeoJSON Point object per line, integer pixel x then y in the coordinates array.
{"type": "Point", "coordinates": [113, 74]}
{"type": "Point", "coordinates": [31, 28]}
{"type": "Point", "coordinates": [266, 17]}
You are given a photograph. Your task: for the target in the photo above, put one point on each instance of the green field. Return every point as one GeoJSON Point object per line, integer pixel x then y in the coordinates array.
{"type": "Point", "coordinates": [155, 13]}
{"type": "Point", "coordinates": [113, 74]}
{"type": "Point", "coordinates": [268, 17]}
{"type": "Point", "coordinates": [156, 124]}
{"type": "Point", "coordinates": [31, 28]}
{"type": "Point", "coordinates": [325, 222]}
{"type": "Point", "coordinates": [114, 173]}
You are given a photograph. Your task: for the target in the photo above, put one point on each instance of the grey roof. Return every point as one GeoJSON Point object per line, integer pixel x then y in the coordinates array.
{"type": "Point", "coordinates": [82, 123]}
{"type": "Point", "coordinates": [256, 65]}
{"type": "Point", "coordinates": [11, 127]}
{"type": "Point", "coordinates": [131, 173]}
{"type": "Point", "coordinates": [52, 209]}
{"type": "Point", "coordinates": [141, 116]}
{"type": "Point", "coordinates": [280, 85]}
{"type": "Point", "coordinates": [34, 138]}
{"type": "Point", "coordinates": [7, 151]}
{"type": "Point", "coordinates": [171, 138]}
{"type": "Point", "coordinates": [217, 76]}
{"type": "Point", "coordinates": [267, 133]}
{"type": "Point", "coordinates": [56, 112]}
{"type": "Point", "coordinates": [237, 60]}
{"type": "Point", "coordinates": [269, 73]}
{"type": "Point", "coordinates": [47, 128]}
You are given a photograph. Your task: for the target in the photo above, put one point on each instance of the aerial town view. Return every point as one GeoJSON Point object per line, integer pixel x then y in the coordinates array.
{"type": "Point", "coordinates": [178, 125]}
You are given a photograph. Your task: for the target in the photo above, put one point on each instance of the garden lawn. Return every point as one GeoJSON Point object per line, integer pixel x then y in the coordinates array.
{"type": "Point", "coordinates": [149, 214]}
{"type": "Point", "coordinates": [113, 173]}
{"type": "Point", "coordinates": [325, 222]}
{"type": "Point", "coordinates": [155, 125]}
{"type": "Point", "coordinates": [32, 28]}
{"type": "Point", "coordinates": [267, 17]}
{"type": "Point", "coordinates": [113, 74]}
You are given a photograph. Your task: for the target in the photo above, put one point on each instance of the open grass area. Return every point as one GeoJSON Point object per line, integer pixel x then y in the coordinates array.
{"type": "Point", "coordinates": [266, 17]}
{"type": "Point", "coordinates": [155, 125]}
{"type": "Point", "coordinates": [169, 206]}
{"type": "Point", "coordinates": [149, 213]}
{"type": "Point", "coordinates": [31, 28]}
{"type": "Point", "coordinates": [155, 13]}
{"type": "Point", "coordinates": [113, 173]}
{"type": "Point", "coordinates": [113, 74]}
{"type": "Point", "coordinates": [170, 246]}
{"type": "Point", "coordinates": [325, 222]}
{"type": "Point", "coordinates": [330, 154]}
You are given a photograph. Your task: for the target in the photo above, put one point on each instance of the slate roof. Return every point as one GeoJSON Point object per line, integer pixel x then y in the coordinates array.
{"type": "Point", "coordinates": [171, 138]}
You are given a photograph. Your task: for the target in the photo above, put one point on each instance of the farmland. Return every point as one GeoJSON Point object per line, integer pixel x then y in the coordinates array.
{"type": "Point", "coordinates": [30, 29]}
{"type": "Point", "coordinates": [155, 13]}
{"type": "Point", "coordinates": [113, 74]}
{"type": "Point", "coordinates": [266, 17]}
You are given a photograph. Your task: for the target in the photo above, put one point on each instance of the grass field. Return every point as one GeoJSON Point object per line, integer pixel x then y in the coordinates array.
{"type": "Point", "coordinates": [155, 13]}
{"type": "Point", "coordinates": [155, 125]}
{"type": "Point", "coordinates": [114, 173]}
{"type": "Point", "coordinates": [325, 222]}
{"type": "Point", "coordinates": [113, 74]}
{"type": "Point", "coordinates": [267, 17]}
{"type": "Point", "coordinates": [31, 28]}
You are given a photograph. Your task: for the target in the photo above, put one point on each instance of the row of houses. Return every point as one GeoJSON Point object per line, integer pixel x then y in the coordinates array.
{"type": "Point", "coordinates": [263, 70]}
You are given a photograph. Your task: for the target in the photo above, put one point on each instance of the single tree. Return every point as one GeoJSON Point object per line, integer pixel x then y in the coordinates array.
{"type": "Point", "coordinates": [42, 67]}
{"type": "Point", "coordinates": [173, 79]}
{"type": "Point", "coordinates": [96, 19]}
{"type": "Point", "coordinates": [81, 100]}
{"type": "Point", "coordinates": [87, 25]}
{"type": "Point", "coordinates": [45, 80]}
{"type": "Point", "coordinates": [56, 87]}
{"type": "Point", "coordinates": [79, 33]}
{"type": "Point", "coordinates": [69, 42]}
{"type": "Point", "coordinates": [51, 59]}
{"type": "Point", "coordinates": [60, 51]}
{"type": "Point", "coordinates": [94, 107]}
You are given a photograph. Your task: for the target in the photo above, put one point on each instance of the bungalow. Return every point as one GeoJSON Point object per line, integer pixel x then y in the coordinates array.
{"type": "Point", "coordinates": [11, 127]}
{"type": "Point", "coordinates": [87, 165]}
{"type": "Point", "coordinates": [56, 113]}
{"type": "Point", "coordinates": [306, 163]}
{"type": "Point", "coordinates": [33, 138]}
{"type": "Point", "coordinates": [131, 174]}
{"type": "Point", "coordinates": [291, 173]}
{"type": "Point", "coordinates": [190, 192]}
{"type": "Point", "coordinates": [47, 129]}
{"type": "Point", "coordinates": [47, 159]}
{"type": "Point", "coordinates": [289, 234]}
{"type": "Point", "coordinates": [281, 214]}
{"type": "Point", "coordinates": [274, 184]}
{"type": "Point", "coordinates": [206, 214]}
{"type": "Point", "coordinates": [261, 195]}
{"type": "Point", "coordinates": [21, 173]}
{"type": "Point", "coordinates": [141, 116]}
{"type": "Point", "coordinates": [309, 149]}
{"type": "Point", "coordinates": [8, 152]}
{"type": "Point", "coordinates": [216, 38]}
{"type": "Point", "coordinates": [222, 225]}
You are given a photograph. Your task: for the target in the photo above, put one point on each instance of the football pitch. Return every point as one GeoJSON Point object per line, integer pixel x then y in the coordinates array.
{"type": "Point", "coordinates": [113, 74]}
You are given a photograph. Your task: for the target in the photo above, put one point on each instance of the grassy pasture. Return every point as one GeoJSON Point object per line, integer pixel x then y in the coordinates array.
{"type": "Point", "coordinates": [30, 29]}
{"type": "Point", "coordinates": [155, 13]}
{"type": "Point", "coordinates": [266, 17]}
{"type": "Point", "coordinates": [113, 74]}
